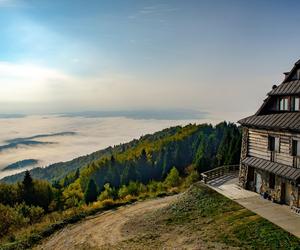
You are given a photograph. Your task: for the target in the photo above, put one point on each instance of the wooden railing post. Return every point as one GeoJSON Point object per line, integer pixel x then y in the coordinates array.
{"type": "Point", "coordinates": [218, 172]}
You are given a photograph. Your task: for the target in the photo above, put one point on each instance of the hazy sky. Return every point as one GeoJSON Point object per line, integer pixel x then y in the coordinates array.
{"type": "Point", "coordinates": [220, 57]}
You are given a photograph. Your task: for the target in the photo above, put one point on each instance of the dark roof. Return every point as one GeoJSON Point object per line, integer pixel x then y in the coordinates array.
{"type": "Point", "coordinates": [282, 121]}
{"type": "Point", "coordinates": [273, 167]}
{"type": "Point", "coordinates": [287, 88]}
{"type": "Point", "coordinates": [267, 117]}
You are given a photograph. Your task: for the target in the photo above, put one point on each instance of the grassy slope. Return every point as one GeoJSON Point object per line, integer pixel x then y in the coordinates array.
{"type": "Point", "coordinates": [202, 218]}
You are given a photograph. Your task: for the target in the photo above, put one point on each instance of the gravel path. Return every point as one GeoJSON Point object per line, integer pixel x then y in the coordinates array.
{"type": "Point", "coordinates": [103, 229]}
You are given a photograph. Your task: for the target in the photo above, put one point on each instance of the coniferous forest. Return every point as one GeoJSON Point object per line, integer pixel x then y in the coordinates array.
{"type": "Point", "coordinates": [150, 166]}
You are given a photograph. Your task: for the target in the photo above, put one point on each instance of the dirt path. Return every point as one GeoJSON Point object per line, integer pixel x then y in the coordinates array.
{"type": "Point", "coordinates": [103, 229]}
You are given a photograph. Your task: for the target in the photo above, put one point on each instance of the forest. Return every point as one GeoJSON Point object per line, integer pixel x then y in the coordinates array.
{"type": "Point", "coordinates": [154, 165]}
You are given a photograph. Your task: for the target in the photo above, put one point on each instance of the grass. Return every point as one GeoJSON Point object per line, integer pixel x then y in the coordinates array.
{"type": "Point", "coordinates": [202, 218]}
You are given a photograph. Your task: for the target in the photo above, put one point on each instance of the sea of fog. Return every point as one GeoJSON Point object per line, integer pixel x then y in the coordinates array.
{"type": "Point", "coordinates": [53, 138]}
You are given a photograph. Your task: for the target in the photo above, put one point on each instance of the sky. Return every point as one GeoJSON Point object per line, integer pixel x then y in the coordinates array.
{"type": "Point", "coordinates": [216, 57]}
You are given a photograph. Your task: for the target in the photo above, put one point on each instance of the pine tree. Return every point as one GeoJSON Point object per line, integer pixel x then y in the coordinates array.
{"type": "Point", "coordinates": [91, 192]}
{"type": "Point", "coordinates": [28, 189]}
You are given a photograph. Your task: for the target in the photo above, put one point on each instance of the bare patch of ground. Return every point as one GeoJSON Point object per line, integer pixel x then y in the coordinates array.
{"type": "Point", "coordinates": [102, 230]}
{"type": "Point", "coordinates": [200, 218]}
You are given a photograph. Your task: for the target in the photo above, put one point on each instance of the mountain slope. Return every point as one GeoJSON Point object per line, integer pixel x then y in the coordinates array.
{"type": "Point", "coordinates": [150, 157]}
{"type": "Point", "coordinates": [200, 218]}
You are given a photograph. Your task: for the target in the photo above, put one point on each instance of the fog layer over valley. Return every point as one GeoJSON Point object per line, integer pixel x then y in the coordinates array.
{"type": "Point", "coordinates": [50, 139]}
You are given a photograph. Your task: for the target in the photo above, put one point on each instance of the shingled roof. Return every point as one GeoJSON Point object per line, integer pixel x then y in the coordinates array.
{"type": "Point", "coordinates": [282, 121]}
{"type": "Point", "coordinates": [287, 88]}
{"type": "Point", "coordinates": [269, 118]}
{"type": "Point", "coordinates": [273, 167]}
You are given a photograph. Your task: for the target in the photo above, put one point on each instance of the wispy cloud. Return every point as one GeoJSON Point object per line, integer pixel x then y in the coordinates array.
{"type": "Point", "coordinates": [11, 3]}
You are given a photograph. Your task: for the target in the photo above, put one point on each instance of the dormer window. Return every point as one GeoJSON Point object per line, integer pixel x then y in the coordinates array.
{"type": "Point", "coordinates": [284, 104]}
{"type": "Point", "coordinates": [296, 104]}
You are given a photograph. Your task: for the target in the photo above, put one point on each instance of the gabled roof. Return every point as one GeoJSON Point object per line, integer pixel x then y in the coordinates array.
{"type": "Point", "coordinates": [273, 167]}
{"type": "Point", "coordinates": [287, 88]}
{"type": "Point", "coordinates": [268, 118]}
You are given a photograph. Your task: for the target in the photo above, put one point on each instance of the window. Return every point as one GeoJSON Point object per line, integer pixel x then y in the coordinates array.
{"type": "Point", "coordinates": [273, 144]}
{"type": "Point", "coordinates": [296, 147]}
{"type": "Point", "coordinates": [284, 104]}
{"type": "Point", "coordinates": [272, 181]}
{"type": "Point", "coordinates": [296, 106]}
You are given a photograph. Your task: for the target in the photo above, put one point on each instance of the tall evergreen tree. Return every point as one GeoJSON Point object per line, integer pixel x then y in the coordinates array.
{"type": "Point", "coordinates": [91, 192]}
{"type": "Point", "coordinates": [28, 189]}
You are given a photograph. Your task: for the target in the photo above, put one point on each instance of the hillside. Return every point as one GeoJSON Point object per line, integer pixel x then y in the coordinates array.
{"type": "Point", "coordinates": [200, 218]}
{"type": "Point", "coordinates": [204, 145]}
{"type": "Point", "coordinates": [164, 163]}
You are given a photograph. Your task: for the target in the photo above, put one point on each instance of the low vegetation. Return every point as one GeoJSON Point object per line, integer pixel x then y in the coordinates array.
{"type": "Point", "coordinates": [204, 219]}
{"type": "Point", "coordinates": [155, 165]}
{"type": "Point", "coordinates": [25, 225]}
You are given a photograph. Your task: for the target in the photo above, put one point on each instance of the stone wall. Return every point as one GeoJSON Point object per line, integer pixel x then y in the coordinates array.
{"type": "Point", "coordinates": [276, 192]}
{"type": "Point", "coordinates": [244, 152]}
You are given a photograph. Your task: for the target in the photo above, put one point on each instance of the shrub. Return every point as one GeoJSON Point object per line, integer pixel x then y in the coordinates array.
{"type": "Point", "coordinates": [123, 192]}
{"type": "Point", "coordinates": [9, 217]}
{"type": "Point", "coordinates": [108, 193]}
{"type": "Point", "coordinates": [108, 203]}
{"type": "Point", "coordinates": [173, 178]}
{"type": "Point", "coordinates": [32, 213]}
{"type": "Point", "coordinates": [191, 178]}
{"type": "Point", "coordinates": [72, 195]}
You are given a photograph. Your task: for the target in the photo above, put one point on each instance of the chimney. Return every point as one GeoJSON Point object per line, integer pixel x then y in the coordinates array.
{"type": "Point", "coordinates": [286, 75]}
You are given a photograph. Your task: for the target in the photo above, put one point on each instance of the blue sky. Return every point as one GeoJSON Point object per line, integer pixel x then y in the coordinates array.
{"type": "Point", "coordinates": [219, 57]}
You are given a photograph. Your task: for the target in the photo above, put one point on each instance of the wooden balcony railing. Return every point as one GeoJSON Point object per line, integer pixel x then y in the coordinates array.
{"type": "Point", "coordinates": [218, 172]}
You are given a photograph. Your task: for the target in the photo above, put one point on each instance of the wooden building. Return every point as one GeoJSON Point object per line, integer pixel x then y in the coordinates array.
{"type": "Point", "coordinates": [270, 156]}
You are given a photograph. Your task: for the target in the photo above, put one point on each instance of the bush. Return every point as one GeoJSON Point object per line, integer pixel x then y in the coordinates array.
{"type": "Point", "coordinates": [173, 178]}
{"type": "Point", "coordinates": [133, 189]}
{"type": "Point", "coordinates": [72, 195]}
{"type": "Point", "coordinates": [9, 218]}
{"type": "Point", "coordinates": [108, 203]}
{"type": "Point", "coordinates": [32, 213]}
{"type": "Point", "coordinates": [123, 192]}
{"type": "Point", "coordinates": [191, 178]}
{"type": "Point", "coordinates": [108, 193]}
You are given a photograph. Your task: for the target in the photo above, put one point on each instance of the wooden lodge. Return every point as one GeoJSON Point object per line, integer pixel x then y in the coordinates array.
{"type": "Point", "coordinates": [270, 157]}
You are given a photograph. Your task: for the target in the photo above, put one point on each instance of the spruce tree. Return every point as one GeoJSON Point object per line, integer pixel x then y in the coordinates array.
{"type": "Point", "coordinates": [28, 189]}
{"type": "Point", "coordinates": [91, 192]}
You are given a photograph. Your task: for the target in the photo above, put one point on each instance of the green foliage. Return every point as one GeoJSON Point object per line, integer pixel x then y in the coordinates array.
{"type": "Point", "coordinates": [152, 157]}
{"type": "Point", "coordinates": [134, 170]}
{"type": "Point", "coordinates": [72, 195]}
{"type": "Point", "coordinates": [28, 189]}
{"type": "Point", "coordinates": [32, 213]}
{"type": "Point", "coordinates": [108, 193]}
{"type": "Point", "coordinates": [173, 178]}
{"type": "Point", "coordinates": [91, 192]}
{"type": "Point", "coordinates": [9, 217]}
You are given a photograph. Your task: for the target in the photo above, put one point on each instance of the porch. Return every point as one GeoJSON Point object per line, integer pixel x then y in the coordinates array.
{"type": "Point", "coordinates": [281, 215]}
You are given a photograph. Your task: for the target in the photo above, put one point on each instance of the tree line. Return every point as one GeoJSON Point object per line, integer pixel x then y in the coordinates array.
{"type": "Point", "coordinates": [153, 164]}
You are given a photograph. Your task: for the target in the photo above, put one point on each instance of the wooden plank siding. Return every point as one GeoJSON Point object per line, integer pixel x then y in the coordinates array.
{"type": "Point", "coordinates": [258, 145]}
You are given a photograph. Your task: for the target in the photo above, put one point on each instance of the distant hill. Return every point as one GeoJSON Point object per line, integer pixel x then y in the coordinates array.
{"type": "Point", "coordinates": [21, 164]}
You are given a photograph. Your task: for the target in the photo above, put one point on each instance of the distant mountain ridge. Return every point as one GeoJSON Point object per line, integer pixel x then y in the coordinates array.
{"type": "Point", "coordinates": [21, 164]}
{"type": "Point", "coordinates": [29, 141]}
{"type": "Point", "coordinates": [22, 139]}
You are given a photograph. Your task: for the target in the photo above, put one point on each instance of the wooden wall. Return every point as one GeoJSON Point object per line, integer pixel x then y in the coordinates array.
{"type": "Point", "coordinates": [258, 145]}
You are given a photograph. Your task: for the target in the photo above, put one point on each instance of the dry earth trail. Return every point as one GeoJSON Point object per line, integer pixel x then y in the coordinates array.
{"type": "Point", "coordinates": [102, 230]}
